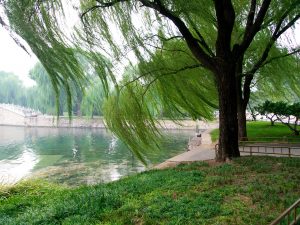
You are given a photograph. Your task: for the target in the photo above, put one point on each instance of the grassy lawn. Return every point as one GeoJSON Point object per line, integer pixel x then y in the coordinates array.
{"type": "Point", "coordinates": [249, 190]}
{"type": "Point", "coordinates": [258, 129]}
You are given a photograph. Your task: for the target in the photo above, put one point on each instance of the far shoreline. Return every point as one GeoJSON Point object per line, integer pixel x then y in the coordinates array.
{"type": "Point", "coordinates": [95, 123]}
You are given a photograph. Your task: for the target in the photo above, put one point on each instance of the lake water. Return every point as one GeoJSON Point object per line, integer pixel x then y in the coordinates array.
{"type": "Point", "coordinates": [75, 156]}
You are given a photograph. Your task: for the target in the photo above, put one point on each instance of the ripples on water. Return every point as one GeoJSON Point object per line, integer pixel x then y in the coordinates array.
{"type": "Point", "coordinates": [74, 156]}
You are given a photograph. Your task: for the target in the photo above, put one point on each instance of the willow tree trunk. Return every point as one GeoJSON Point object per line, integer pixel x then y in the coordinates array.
{"type": "Point", "coordinates": [241, 101]}
{"type": "Point", "coordinates": [242, 122]}
{"type": "Point", "coordinates": [228, 123]}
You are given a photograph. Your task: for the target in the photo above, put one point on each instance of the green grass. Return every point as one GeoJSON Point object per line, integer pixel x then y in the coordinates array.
{"type": "Point", "coordinates": [214, 134]}
{"type": "Point", "coordinates": [259, 129]}
{"type": "Point", "coordinates": [250, 190]}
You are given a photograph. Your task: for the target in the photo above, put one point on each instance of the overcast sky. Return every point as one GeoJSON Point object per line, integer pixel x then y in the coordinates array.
{"type": "Point", "coordinates": [14, 59]}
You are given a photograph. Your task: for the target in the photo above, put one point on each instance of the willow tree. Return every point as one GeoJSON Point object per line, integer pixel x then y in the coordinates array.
{"type": "Point", "coordinates": [278, 81]}
{"type": "Point", "coordinates": [229, 39]}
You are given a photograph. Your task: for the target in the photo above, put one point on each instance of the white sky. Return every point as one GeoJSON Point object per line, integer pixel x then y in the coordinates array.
{"type": "Point", "coordinates": [14, 59]}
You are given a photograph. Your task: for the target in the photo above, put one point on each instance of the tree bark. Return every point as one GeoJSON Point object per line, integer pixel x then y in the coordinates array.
{"type": "Point", "coordinates": [228, 124]}
{"type": "Point", "coordinates": [272, 120]}
{"type": "Point", "coordinates": [242, 101]}
{"type": "Point", "coordinates": [242, 124]}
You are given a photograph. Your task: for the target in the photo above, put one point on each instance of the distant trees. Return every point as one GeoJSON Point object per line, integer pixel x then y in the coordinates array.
{"type": "Point", "coordinates": [91, 103]}
{"type": "Point", "coordinates": [39, 97]}
{"type": "Point", "coordinates": [42, 96]}
{"type": "Point", "coordinates": [287, 114]}
{"type": "Point", "coordinates": [12, 90]}
{"type": "Point", "coordinates": [87, 103]}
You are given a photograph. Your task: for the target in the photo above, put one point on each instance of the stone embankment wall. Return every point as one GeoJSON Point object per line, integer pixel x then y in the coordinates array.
{"type": "Point", "coordinates": [186, 124]}
{"type": "Point", "coordinates": [51, 121]}
{"type": "Point", "coordinates": [8, 117]}
{"type": "Point", "coordinates": [13, 118]}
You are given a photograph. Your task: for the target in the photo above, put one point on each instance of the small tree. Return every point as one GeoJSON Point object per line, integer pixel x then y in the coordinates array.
{"type": "Point", "coordinates": [254, 113]}
{"type": "Point", "coordinates": [288, 115]}
{"type": "Point", "coordinates": [267, 109]}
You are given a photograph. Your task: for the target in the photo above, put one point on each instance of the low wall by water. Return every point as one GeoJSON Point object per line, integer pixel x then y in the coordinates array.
{"type": "Point", "coordinates": [11, 118]}
{"type": "Point", "coordinates": [51, 121]}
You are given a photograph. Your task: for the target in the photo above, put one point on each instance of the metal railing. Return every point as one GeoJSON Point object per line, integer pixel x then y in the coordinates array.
{"type": "Point", "coordinates": [290, 216]}
{"type": "Point", "coordinates": [279, 140]}
{"type": "Point", "coordinates": [285, 146]}
{"type": "Point", "coordinates": [284, 150]}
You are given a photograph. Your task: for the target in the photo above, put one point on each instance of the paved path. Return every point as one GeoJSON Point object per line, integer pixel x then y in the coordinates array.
{"type": "Point", "coordinates": [206, 151]}
{"type": "Point", "coordinates": [198, 152]}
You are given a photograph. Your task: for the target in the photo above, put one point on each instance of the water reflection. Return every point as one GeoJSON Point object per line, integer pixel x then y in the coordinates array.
{"type": "Point", "coordinates": [113, 143]}
{"type": "Point", "coordinates": [12, 170]}
{"type": "Point", "coordinates": [74, 156]}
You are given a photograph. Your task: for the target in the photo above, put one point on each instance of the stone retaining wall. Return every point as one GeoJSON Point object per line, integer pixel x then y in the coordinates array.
{"type": "Point", "coordinates": [11, 118]}
{"type": "Point", "coordinates": [8, 117]}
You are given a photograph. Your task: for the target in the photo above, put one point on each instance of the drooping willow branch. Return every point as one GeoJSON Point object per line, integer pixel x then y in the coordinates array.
{"type": "Point", "coordinates": [172, 72]}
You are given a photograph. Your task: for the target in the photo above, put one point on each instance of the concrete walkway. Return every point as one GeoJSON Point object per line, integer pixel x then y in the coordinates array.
{"type": "Point", "coordinates": [200, 150]}
{"type": "Point", "coordinates": [203, 153]}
